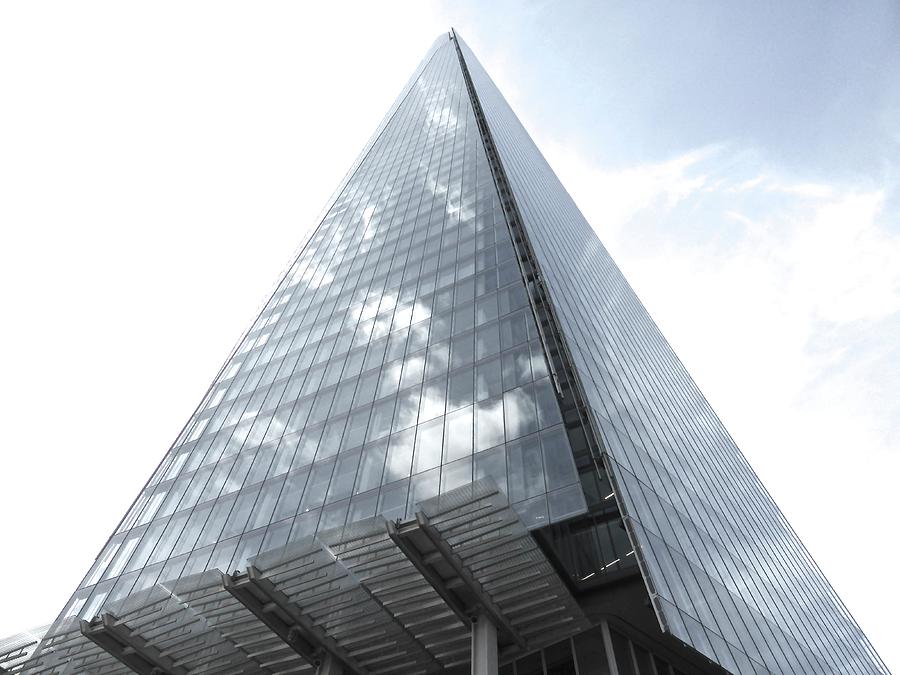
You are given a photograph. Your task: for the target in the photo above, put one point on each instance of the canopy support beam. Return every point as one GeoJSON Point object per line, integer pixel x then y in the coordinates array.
{"type": "Point", "coordinates": [426, 549]}
{"type": "Point", "coordinates": [122, 643]}
{"type": "Point", "coordinates": [259, 595]}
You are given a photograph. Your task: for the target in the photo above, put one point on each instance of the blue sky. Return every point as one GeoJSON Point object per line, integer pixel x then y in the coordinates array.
{"type": "Point", "coordinates": [158, 164]}
{"type": "Point", "coordinates": [812, 86]}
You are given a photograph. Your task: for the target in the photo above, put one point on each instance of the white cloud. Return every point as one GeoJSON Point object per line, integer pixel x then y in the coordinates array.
{"type": "Point", "coordinates": [613, 197]}
{"type": "Point", "coordinates": [842, 261]}
{"type": "Point", "coordinates": [811, 190]}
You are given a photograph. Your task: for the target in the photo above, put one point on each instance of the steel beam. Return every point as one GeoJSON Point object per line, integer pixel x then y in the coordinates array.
{"type": "Point", "coordinates": [259, 595]}
{"type": "Point", "coordinates": [126, 646]}
{"type": "Point", "coordinates": [460, 591]}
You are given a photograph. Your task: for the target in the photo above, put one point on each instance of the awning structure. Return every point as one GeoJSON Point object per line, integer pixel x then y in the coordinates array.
{"type": "Point", "coordinates": [373, 597]}
{"type": "Point", "coordinates": [15, 649]}
{"type": "Point", "coordinates": [192, 626]}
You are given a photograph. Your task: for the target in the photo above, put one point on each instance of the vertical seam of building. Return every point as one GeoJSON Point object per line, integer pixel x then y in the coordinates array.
{"type": "Point", "coordinates": [525, 258]}
{"type": "Point", "coordinates": [538, 297]}
{"type": "Point", "coordinates": [542, 305]}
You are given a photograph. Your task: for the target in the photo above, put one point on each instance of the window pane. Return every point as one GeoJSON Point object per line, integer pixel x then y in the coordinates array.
{"type": "Point", "coordinates": [488, 424]}
{"type": "Point", "coordinates": [492, 464]}
{"type": "Point", "coordinates": [428, 445]}
{"type": "Point", "coordinates": [438, 360]}
{"type": "Point", "coordinates": [547, 405]}
{"type": "Point", "coordinates": [407, 408]}
{"type": "Point", "coordinates": [357, 422]}
{"type": "Point", "coordinates": [487, 340]}
{"type": "Point", "coordinates": [456, 474]}
{"type": "Point", "coordinates": [371, 466]}
{"type": "Point", "coordinates": [390, 378]}
{"type": "Point", "coordinates": [513, 330]}
{"type": "Point", "coordinates": [421, 487]}
{"type": "Point", "coordinates": [344, 476]}
{"type": "Point", "coordinates": [559, 465]}
{"type": "Point", "coordinates": [520, 412]}
{"type": "Point", "coordinates": [462, 350]}
{"type": "Point", "coordinates": [461, 388]}
{"type": "Point", "coordinates": [458, 436]}
{"type": "Point", "coordinates": [488, 382]}
{"type": "Point", "coordinates": [413, 368]}
{"type": "Point", "coordinates": [486, 309]}
{"type": "Point", "coordinates": [516, 367]}
{"type": "Point", "coordinates": [526, 474]}
{"type": "Point", "coordinates": [399, 459]}
{"type": "Point", "coordinates": [380, 421]}
{"type": "Point", "coordinates": [433, 400]}
{"type": "Point", "coordinates": [317, 485]}
{"type": "Point", "coordinates": [392, 500]}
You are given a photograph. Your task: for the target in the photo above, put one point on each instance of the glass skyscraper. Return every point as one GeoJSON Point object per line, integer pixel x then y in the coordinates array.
{"type": "Point", "coordinates": [455, 379]}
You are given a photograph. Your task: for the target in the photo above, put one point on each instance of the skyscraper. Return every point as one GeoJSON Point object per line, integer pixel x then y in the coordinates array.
{"type": "Point", "coordinates": [454, 437]}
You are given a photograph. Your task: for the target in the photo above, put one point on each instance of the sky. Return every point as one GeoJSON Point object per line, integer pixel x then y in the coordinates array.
{"type": "Point", "coordinates": [160, 162]}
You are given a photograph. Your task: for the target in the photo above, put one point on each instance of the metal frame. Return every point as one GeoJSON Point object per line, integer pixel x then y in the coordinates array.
{"type": "Point", "coordinates": [276, 611]}
{"type": "Point", "coordinates": [462, 593]}
{"type": "Point", "coordinates": [463, 582]}
{"type": "Point", "coordinates": [121, 642]}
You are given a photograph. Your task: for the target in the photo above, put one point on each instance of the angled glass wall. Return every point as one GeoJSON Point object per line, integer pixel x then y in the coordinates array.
{"type": "Point", "coordinates": [397, 359]}
{"type": "Point", "coordinates": [726, 572]}
{"type": "Point", "coordinates": [403, 354]}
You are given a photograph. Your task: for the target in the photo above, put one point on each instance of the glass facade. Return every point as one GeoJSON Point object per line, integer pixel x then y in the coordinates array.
{"type": "Point", "coordinates": [726, 573]}
{"type": "Point", "coordinates": [600, 651]}
{"type": "Point", "coordinates": [403, 355]}
{"type": "Point", "coordinates": [397, 359]}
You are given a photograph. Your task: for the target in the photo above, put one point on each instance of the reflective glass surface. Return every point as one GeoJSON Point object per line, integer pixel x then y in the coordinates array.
{"type": "Point", "coordinates": [397, 359]}
{"type": "Point", "coordinates": [726, 572]}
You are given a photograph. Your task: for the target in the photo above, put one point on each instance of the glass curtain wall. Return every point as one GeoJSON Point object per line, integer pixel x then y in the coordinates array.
{"type": "Point", "coordinates": [398, 358]}
{"type": "Point", "coordinates": [726, 572]}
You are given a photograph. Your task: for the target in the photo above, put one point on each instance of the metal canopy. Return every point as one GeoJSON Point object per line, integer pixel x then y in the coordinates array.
{"type": "Point", "coordinates": [16, 649]}
{"type": "Point", "coordinates": [365, 549]}
{"type": "Point", "coordinates": [107, 632]}
{"type": "Point", "coordinates": [350, 608]}
{"type": "Point", "coordinates": [477, 554]}
{"type": "Point", "coordinates": [190, 626]}
{"type": "Point", "coordinates": [374, 597]}
{"type": "Point", "coordinates": [68, 651]}
{"type": "Point", "coordinates": [273, 608]}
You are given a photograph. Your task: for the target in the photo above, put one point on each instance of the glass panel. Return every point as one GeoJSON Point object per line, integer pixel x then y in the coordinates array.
{"type": "Point", "coordinates": [526, 475]}
{"type": "Point", "coordinates": [559, 660]}
{"type": "Point", "coordinates": [459, 434]}
{"type": "Point", "coordinates": [428, 445]}
{"type": "Point", "coordinates": [489, 428]}
{"type": "Point", "coordinates": [520, 414]}
{"type": "Point", "coordinates": [344, 476]}
{"type": "Point", "coordinates": [371, 467]}
{"type": "Point", "coordinates": [530, 665]}
{"type": "Point", "coordinates": [456, 474]}
{"type": "Point", "coordinates": [488, 382]}
{"type": "Point", "coordinates": [400, 454]}
{"type": "Point", "coordinates": [392, 362]}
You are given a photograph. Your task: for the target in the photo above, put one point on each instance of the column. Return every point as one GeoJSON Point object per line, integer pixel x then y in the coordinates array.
{"type": "Point", "coordinates": [608, 646]}
{"type": "Point", "coordinates": [329, 666]}
{"type": "Point", "coordinates": [484, 646]}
